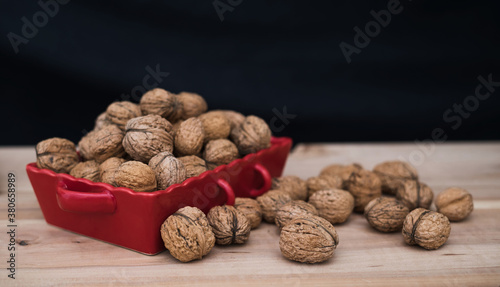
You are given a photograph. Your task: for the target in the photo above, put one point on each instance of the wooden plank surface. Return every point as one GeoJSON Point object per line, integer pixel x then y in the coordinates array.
{"type": "Point", "coordinates": [50, 256]}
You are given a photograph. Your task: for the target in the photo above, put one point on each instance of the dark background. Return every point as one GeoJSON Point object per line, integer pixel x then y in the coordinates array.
{"type": "Point", "coordinates": [265, 55]}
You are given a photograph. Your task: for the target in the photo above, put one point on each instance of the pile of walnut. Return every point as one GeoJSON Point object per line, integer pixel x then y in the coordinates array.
{"type": "Point", "coordinates": [391, 197]}
{"type": "Point", "coordinates": [161, 141]}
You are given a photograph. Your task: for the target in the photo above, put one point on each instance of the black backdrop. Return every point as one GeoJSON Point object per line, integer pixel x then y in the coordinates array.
{"type": "Point", "coordinates": [263, 57]}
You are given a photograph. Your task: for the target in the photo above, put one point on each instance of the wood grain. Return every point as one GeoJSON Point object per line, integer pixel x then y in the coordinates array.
{"type": "Point", "coordinates": [50, 256]}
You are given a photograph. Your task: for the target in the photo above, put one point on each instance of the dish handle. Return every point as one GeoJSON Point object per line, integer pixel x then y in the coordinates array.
{"type": "Point", "coordinates": [266, 179]}
{"type": "Point", "coordinates": [102, 202]}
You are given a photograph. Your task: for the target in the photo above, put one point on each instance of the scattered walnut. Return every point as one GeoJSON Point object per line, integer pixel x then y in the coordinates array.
{"type": "Point", "coordinates": [147, 136]}
{"type": "Point", "coordinates": [344, 171]}
{"type": "Point", "coordinates": [293, 185]}
{"type": "Point", "coordinates": [120, 112]}
{"type": "Point", "coordinates": [56, 154]}
{"type": "Point", "coordinates": [187, 234]}
{"type": "Point", "coordinates": [108, 168]}
{"type": "Point", "coordinates": [415, 194]}
{"type": "Point", "coordinates": [364, 186]}
{"type": "Point", "coordinates": [87, 169]}
{"type": "Point", "coordinates": [251, 209]}
{"type": "Point", "coordinates": [163, 103]}
{"type": "Point", "coordinates": [391, 173]}
{"type": "Point", "coordinates": [252, 135]}
{"type": "Point", "coordinates": [334, 205]}
{"type": "Point", "coordinates": [426, 228]}
{"type": "Point", "coordinates": [102, 121]}
{"type": "Point", "coordinates": [102, 144]}
{"type": "Point", "coordinates": [189, 137]}
{"type": "Point", "coordinates": [194, 165]}
{"type": "Point", "coordinates": [323, 182]}
{"type": "Point", "coordinates": [386, 214]}
{"type": "Point", "coordinates": [221, 151]}
{"type": "Point", "coordinates": [455, 203]}
{"type": "Point", "coordinates": [310, 239]}
{"type": "Point", "coordinates": [215, 125]}
{"type": "Point", "coordinates": [193, 104]}
{"type": "Point", "coordinates": [270, 202]}
{"type": "Point", "coordinates": [168, 169]}
{"type": "Point", "coordinates": [293, 209]}
{"type": "Point", "coordinates": [136, 176]}
{"type": "Point", "coordinates": [229, 225]}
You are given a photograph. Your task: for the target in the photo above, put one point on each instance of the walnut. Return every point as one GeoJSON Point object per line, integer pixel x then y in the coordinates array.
{"type": "Point", "coordinates": [120, 112]}
{"type": "Point", "coordinates": [364, 186]}
{"type": "Point", "coordinates": [251, 209]}
{"type": "Point", "coordinates": [102, 121]}
{"type": "Point", "coordinates": [293, 209]}
{"type": "Point", "coordinates": [163, 103]}
{"type": "Point", "coordinates": [147, 136]}
{"type": "Point", "coordinates": [194, 165]}
{"type": "Point", "coordinates": [168, 169]}
{"type": "Point", "coordinates": [386, 214]}
{"type": "Point", "coordinates": [56, 154]}
{"type": "Point", "coordinates": [229, 225]}
{"type": "Point", "coordinates": [310, 239]}
{"type": "Point", "coordinates": [322, 182]}
{"type": "Point", "coordinates": [293, 185]}
{"type": "Point", "coordinates": [415, 194]}
{"type": "Point", "coordinates": [270, 202]}
{"type": "Point", "coordinates": [455, 203]}
{"type": "Point", "coordinates": [107, 169]}
{"type": "Point", "coordinates": [102, 144]}
{"type": "Point", "coordinates": [215, 125]}
{"type": "Point", "coordinates": [235, 118]}
{"type": "Point", "coordinates": [136, 176]}
{"type": "Point", "coordinates": [334, 205]}
{"type": "Point", "coordinates": [252, 135]}
{"type": "Point", "coordinates": [344, 171]}
{"type": "Point", "coordinates": [187, 234]}
{"type": "Point", "coordinates": [428, 229]}
{"type": "Point", "coordinates": [193, 104]}
{"type": "Point", "coordinates": [87, 169]}
{"type": "Point", "coordinates": [221, 151]}
{"type": "Point", "coordinates": [391, 173]}
{"type": "Point", "coordinates": [84, 144]}
{"type": "Point", "coordinates": [189, 137]}
{"type": "Point", "coordinates": [176, 126]}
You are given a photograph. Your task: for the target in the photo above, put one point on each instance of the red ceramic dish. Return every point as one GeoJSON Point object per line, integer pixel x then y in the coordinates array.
{"type": "Point", "coordinates": [132, 219]}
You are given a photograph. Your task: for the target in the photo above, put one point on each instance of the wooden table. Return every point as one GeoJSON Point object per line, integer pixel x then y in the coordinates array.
{"type": "Point", "coordinates": [49, 256]}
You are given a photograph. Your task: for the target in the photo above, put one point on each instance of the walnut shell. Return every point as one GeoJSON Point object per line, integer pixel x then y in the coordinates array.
{"type": "Point", "coordinates": [293, 185]}
{"type": "Point", "coordinates": [344, 171]}
{"type": "Point", "coordinates": [334, 205]}
{"type": "Point", "coordinates": [176, 126]}
{"type": "Point", "coordinates": [163, 103]}
{"type": "Point", "coordinates": [235, 118]}
{"type": "Point", "coordinates": [455, 203]}
{"type": "Point", "coordinates": [221, 151]}
{"type": "Point", "coordinates": [229, 225]}
{"type": "Point", "coordinates": [293, 209]}
{"type": "Point", "coordinates": [323, 182]}
{"type": "Point", "coordinates": [147, 136]}
{"type": "Point", "coordinates": [168, 169]}
{"type": "Point", "coordinates": [87, 169]}
{"type": "Point", "coordinates": [270, 202]}
{"type": "Point", "coordinates": [252, 135]}
{"type": "Point", "coordinates": [309, 239]}
{"type": "Point", "coordinates": [193, 104]}
{"type": "Point", "coordinates": [187, 234]}
{"type": "Point", "coordinates": [364, 186]}
{"type": "Point", "coordinates": [215, 125]}
{"type": "Point", "coordinates": [386, 214]}
{"type": "Point", "coordinates": [189, 137]}
{"type": "Point", "coordinates": [426, 228]}
{"type": "Point", "coordinates": [102, 144]}
{"type": "Point", "coordinates": [391, 173]}
{"type": "Point", "coordinates": [107, 169]}
{"type": "Point", "coordinates": [194, 165]}
{"type": "Point", "coordinates": [84, 144]}
{"type": "Point", "coordinates": [102, 121]}
{"type": "Point", "coordinates": [251, 209]}
{"type": "Point", "coordinates": [136, 176]}
{"type": "Point", "coordinates": [119, 113]}
{"type": "Point", "coordinates": [415, 194]}
{"type": "Point", "coordinates": [56, 154]}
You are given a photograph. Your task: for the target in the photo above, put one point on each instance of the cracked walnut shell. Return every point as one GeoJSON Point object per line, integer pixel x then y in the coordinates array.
{"type": "Point", "coordinates": [426, 228]}
{"type": "Point", "coordinates": [193, 104]}
{"type": "Point", "coordinates": [455, 203]}
{"type": "Point", "coordinates": [334, 205]}
{"type": "Point", "coordinates": [293, 209]}
{"type": "Point", "coordinates": [136, 176]}
{"type": "Point", "coordinates": [392, 173]}
{"type": "Point", "coordinates": [107, 169]}
{"type": "Point", "coordinates": [162, 103]}
{"type": "Point", "coordinates": [364, 186]}
{"type": "Point", "coordinates": [386, 214]}
{"type": "Point", "coordinates": [270, 202]}
{"type": "Point", "coordinates": [251, 209]}
{"type": "Point", "coordinates": [415, 194]}
{"type": "Point", "coordinates": [252, 135]}
{"type": "Point", "coordinates": [168, 169]}
{"type": "Point", "coordinates": [219, 152]}
{"type": "Point", "coordinates": [189, 137]}
{"type": "Point", "coordinates": [229, 225]}
{"type": "Point", "coordinates": [56, 154]}
{"type": "Point", "coordinates": [87, 169]}
{"type": "Point", "coordinates": [119, 113]}
{"type": "Point", "coordinates": [291, 184]}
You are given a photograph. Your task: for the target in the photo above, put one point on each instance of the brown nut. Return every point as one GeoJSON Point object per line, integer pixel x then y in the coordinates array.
{"type": "Point", "coordinates": [119, 113]}
{"type": "Point", "coordinates": [87, 169]}
{"type": "Point", "coordinates": [187, 234]}
{"type": "Point", "coordinates": [147, 136]}
{"type": "Point", "coordinates": [252, 135]}
{"type": "Point", "coordinates": [108, 168]}
{"type": "Point", "coordinates": [391, 173]}
{"type": "Point", "coordinates": [136, 176]}
{"type": "Point", "coordinates": [102, 144]}
{"type": "Point", "coordinates": [323, 182]}
{"type": "Point", "coordinates": [334, 205]}
{"type": "Point", "coordinates": [293, 209]}
{"type": "Point", "coordinates": [102, 121]}
{"type": "Point", "coordinates": [215, 125]}
{"type": "Point", "coordinates": [309, 239]}
{"type": "Point", "coordinates": [168, 169]}
{"type": "Point", "coordinates": [426, 228]}
{"type": "Point", "coordinates": [229, 225]}
{"type": "Point", "coordinates": [221, 151]}
{"type": "Point", "coordinates": [194, 165]}
{"type": "Point", "coordinates": [251, 209]}
{"type": "Point", "coordinates": [235, 118]}
{"type": "Point", "coordinates": [163, 103]}
{"type": "Point", "coordinates": [364, 186]}
{"type": "Point", "coordinates": [293, 185]}
{"type": "Point", "coordinates": [344, 171]}
{"type": "Point", "coordinates": [193, 104]}
{"type": "Point", "coordinates": [56, 154]}
{"type": "Point", "coordinates": [415, 194]}
{"type": "Point", "coordinates": [386, 214]}
{"type": "Point", "coordinates": [455, 203]}
{"type": "Point", "coordinates": [270, 202]}
{"type": "Point", "coordinates": [189, 137]}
